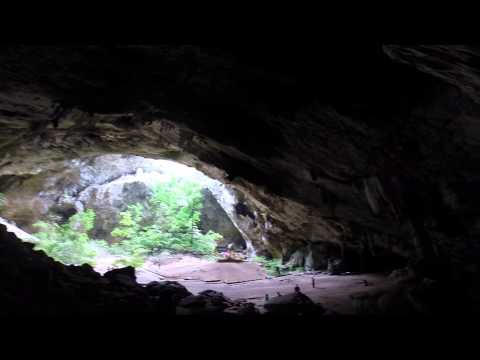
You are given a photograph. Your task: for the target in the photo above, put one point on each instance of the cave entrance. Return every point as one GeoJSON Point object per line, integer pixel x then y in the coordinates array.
{"type": "Point", "coordinates": [167, 220]}
{"type": "Point", "coordinates": [112, 211]}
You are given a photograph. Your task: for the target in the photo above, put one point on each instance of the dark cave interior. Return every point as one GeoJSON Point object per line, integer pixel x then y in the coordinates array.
{"type": "Point", "coordinates": [357, 163]}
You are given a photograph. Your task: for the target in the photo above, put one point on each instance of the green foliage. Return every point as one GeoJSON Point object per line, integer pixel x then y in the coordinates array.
{"type": "Point", "coordinates": [171, 223]}
{"type": "Point", "coordinates": [102, 244]}
{"type": "Point", "coordinates": [135, 259]}
{"type": "Point", "coordinates": [298, 269]}
{"type": "Point", "coordinates": [168, 221]}
{"type": "Point", "coordinates": [70, 242]}
{"type": "Point", "coordinates": [273, 267]}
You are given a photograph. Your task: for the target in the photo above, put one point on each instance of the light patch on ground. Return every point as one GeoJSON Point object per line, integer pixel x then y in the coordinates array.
{"type": "Point", "coordinates": [193, 268]}
{"type": "Point", "coordinates": [333, 292]}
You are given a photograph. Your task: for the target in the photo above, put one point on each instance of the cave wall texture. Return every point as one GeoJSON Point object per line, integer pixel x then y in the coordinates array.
{"type": "Point", "coordinates": [108, 184]}
{"type": "Point", "coordinates": [365, 153]}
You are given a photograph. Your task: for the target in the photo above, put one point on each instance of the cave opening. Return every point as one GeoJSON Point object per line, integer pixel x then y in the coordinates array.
{"type": "Point", "coordinates": [354, 202]}
{"type": "Point", "coordinates": [163, 220]}
{"type": "Point", "coordinates": [111, 211]}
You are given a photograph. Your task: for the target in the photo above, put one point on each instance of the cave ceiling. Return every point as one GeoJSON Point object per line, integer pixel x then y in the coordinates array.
{"type": "Point", "coordinates": [330, 144]}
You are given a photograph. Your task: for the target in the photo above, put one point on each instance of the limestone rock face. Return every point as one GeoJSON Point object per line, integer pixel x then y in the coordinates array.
{"type": "Point", "coordinates": [297, 259]}
{"type": "Point", "coordinates": [108, 201]}
{"type": "Point", "coordinates": [213, 217]}
{"type": "Point", "coordinates": [371, 149]}
{"type": "Point", "coordinates": [108, 185]}
{"type": "Point", "coordinates": [61, 189]}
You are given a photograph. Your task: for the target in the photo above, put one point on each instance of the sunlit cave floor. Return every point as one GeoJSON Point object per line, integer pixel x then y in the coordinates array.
{"type": "Point", "coordinates": [336, 293]}
{"type": "Point", "coordinates": [247, 280]}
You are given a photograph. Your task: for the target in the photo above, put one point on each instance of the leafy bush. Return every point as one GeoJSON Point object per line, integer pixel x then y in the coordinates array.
{"type": "Point", "coordinates": [70, 242]}
{"type": "Point", "coordinates": [171, 221]}
{"type": "Point", "coordinates": [168, 221]}
{"type": "Point", "coordinates": [273, 267]}
{"type": "Point", "coordinates": [135, 259]}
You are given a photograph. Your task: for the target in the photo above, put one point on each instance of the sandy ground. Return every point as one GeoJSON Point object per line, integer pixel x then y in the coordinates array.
{"type": "Point", "coordinates": [249, 281]}
{"type": "Point", "coordinates": [186, 267]}
{"type": "Point", "coordinates": [245, 280]}
{"type": "Point", "coordinates": [192, 268]}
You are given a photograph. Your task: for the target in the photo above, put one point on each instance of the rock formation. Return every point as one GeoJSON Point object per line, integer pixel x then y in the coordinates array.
{"type": "Point", "coordinates": [213, 217]}
{"type": "Point", "coordinates": [108, 185]}
{"type": "Point", "coordinates": [34, 284]}
{"type": "Point", "coordinates": [367, 154]}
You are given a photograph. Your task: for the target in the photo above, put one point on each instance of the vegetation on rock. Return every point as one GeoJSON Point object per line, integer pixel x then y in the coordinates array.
{"type": "Point", "coordinates": [171, 223]}
{"type": "Point", "coordinates": [273, 267]}
{"type": "Point", "coordinates": [68, 243]}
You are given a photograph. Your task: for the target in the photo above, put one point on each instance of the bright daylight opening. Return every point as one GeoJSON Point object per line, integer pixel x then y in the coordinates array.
{"type": "Point", "coordinates": [156, 220]}
{"type": "Point", "coordinates": [165, 219]}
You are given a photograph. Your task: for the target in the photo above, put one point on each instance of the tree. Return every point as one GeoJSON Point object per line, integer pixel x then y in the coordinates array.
{"type": "Point", "coordinates": [171, 221]}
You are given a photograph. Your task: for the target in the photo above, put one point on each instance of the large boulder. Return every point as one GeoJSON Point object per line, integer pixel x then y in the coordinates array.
{"type": "Point", "coordinates": [123, 276]}
{"type": "Point", "coordinates": [167, 294]}
{"type": "Point", "coordinates": [109, 200]}
{"type": "Point", "coordinates": [33, 283]}
{"type": "Point", "coordinates": [214, 217]}
{"type": "Point", "coordinates": [108, 184]}
{"type": "Point", "coordinates": [210, 302]}
{"type": "Point", "coordinates": [296, 303]}
{"type": "Point", "coordinates": [54, 193]}
{"type": "Point", "coordinates": [171, 289]}
{"type": "Point", "coordinates": [297, 259]}
{"type": "Point", "coordinates": [318, 254]}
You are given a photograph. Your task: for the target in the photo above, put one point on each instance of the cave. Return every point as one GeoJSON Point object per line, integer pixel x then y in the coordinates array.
{"type": "Point", "coordinates": [112, 189]}
{"type": "Point", "coordinates": [352, 174]}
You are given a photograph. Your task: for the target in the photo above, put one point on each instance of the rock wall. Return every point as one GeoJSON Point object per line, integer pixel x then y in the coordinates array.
{"type": "Point", "coordinates": [34, 284]}
{"type": "Point", "coordinates": [108, 201]}
{"type": "Point", "coordinates": [213, 217]}
{"type": "Point", "coordinates": [108, 185]}
{"type": "Point", "coordinates": [371, 152]}
{"type": "Point", "coordinates": [56, 190]}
